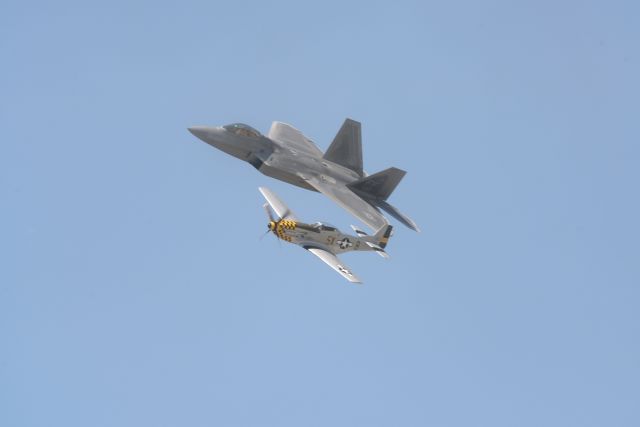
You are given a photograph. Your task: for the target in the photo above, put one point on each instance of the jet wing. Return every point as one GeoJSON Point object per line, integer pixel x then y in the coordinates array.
{"type": "Point", "coordinates": [335, 263]}
{"type": "Point", "coordinates": [292, 138]}
{"type": "Point", "coordinates": [348, 200]}
{"type": "Point", "coordinates": [276, 204]}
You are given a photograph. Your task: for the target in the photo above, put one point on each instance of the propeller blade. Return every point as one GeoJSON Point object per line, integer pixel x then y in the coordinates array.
{"type": "Point", "coordinates": [264, 234]}
{"type": "Point", "coordinates": [266, 208]}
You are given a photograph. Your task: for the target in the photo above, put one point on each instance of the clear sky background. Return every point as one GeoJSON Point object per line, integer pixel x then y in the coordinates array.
{"type": "Point", "coordinates": [134, 290]}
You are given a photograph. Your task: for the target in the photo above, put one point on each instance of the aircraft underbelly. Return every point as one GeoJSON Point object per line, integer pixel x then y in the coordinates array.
{"type": "Point", "coordinates": [287, 177]}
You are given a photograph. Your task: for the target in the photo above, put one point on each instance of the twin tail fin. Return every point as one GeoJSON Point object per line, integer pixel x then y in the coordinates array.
{"type": "Point", "coordinates": [346, 148]}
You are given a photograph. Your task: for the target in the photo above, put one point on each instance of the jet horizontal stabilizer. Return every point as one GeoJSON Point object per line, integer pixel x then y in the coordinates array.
{"type": "Point", "coordinates": [394, 212]}
{"type": "Point", "coordinates": [378, 186]}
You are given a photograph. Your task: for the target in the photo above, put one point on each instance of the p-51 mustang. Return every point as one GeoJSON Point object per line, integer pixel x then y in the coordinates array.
{"type": "Point", "coordinates": [322, 240]}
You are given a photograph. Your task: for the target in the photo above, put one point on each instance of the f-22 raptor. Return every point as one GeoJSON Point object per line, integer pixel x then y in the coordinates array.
{"type": "Point", "coordinates": [287, 155]}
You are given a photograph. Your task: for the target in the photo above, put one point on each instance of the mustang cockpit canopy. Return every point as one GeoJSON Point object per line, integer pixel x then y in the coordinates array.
{"type": "Point", "coordinates": [323, 226]}
{"type": "Point", "coordinates": [243, 130]}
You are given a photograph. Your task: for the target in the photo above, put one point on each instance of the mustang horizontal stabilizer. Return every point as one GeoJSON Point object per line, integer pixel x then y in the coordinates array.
{"type": "Point", "coordinates": [346, 148]}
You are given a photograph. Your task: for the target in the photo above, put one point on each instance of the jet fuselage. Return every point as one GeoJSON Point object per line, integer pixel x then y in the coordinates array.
{"type": "Point", "coordinates": [273, 159]}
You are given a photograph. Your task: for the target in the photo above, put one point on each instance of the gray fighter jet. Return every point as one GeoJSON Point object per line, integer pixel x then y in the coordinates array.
{"type": "Point", "coordinates": [286, 154]}
{"type": "Point", "coordinates": [322, 240]}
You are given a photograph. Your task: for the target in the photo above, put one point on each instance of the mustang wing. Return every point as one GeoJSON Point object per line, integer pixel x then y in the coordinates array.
{"type": "Point", "coordinates": [292, 138]}
{"type": "Point", "coordinates": [276, 204]}
{"type": "Point", "coordinates": [335, 263]}
{"type": "Point", "coordinates": [349, 201]}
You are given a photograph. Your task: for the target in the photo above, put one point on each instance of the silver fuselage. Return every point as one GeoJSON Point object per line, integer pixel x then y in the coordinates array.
{"type": "Point", "coordinates": [318, 235]}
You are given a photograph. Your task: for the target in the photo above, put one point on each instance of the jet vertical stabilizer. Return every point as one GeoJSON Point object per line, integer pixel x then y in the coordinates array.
{"type": "Point", "coordinates": [346, 148]}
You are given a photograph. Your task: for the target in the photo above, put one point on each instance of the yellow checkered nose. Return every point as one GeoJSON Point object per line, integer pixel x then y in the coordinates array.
{"type": "Point", "coordinates": [271, 225]}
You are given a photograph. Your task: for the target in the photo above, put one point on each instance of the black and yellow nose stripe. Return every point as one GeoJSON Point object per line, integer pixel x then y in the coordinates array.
{"type": "Point", "coordinates": [285, 224]}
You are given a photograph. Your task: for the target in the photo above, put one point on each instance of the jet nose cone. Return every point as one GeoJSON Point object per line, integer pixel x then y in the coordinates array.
{"type": "Point", "coordinates": [199, 131]}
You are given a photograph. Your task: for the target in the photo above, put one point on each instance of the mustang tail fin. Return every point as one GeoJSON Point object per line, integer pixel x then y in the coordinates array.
{"type": "Point", "coordinates": [379, 241]}
{"type": "Point", "coordinates": [346, 148]}
{"type": "Point", "coordinates": [383, 235]}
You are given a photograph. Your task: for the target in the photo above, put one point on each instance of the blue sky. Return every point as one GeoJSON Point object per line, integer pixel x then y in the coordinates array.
{"type": "Point", "coordinates": [134, 289]}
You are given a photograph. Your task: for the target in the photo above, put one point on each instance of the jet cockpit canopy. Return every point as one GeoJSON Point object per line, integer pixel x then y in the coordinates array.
{"type": "Point", "coordinates": [243, 130]}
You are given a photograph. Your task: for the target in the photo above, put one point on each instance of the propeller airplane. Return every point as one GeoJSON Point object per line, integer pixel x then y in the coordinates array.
{"type": "Point", "coordinates": [322, 240]}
